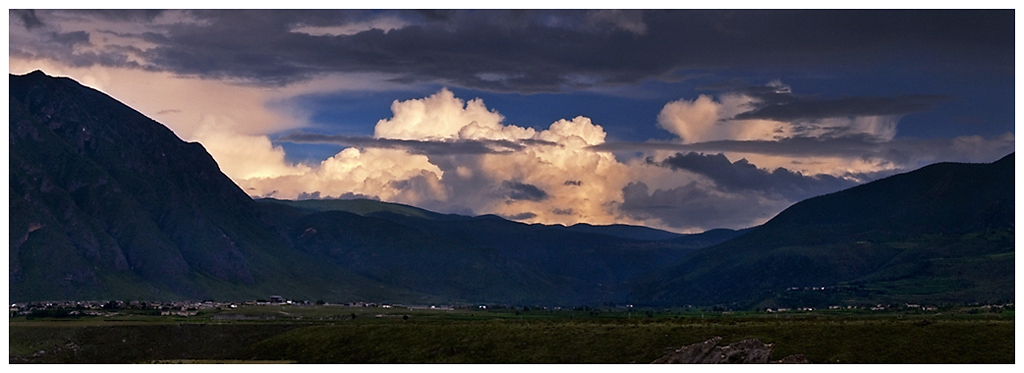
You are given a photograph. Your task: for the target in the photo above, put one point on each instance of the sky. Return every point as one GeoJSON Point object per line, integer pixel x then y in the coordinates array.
{"type": "Point", "coordinates": [684, 120]}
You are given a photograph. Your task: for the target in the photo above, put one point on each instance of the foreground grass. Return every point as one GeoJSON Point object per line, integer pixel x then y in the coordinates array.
{"type": "Point", "coordinates": [502, 341]}
{"type": "Point", "coordinates": [461, 338]}
{"type": "Point", "coordinates": [119, 342]}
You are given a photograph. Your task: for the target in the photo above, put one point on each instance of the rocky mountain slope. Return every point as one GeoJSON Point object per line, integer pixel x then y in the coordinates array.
{"type": "Point", "coordinates": [107, 203]}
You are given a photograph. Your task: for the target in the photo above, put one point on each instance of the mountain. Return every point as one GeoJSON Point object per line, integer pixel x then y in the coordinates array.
{"type": "Point", "coordinates": [625, 231]}
{"type": "Point", "coordinates": [941, 234]}
{"type": "Point", "coordinates": [545, 264]}
{"type": "Point", "coordinates": [97, 188]}
{"type": "Point", "coordinates": [708, 238]}
{"type": "Point", "coordinates": [106, 203]}
{"type": "Point", "coordinates": [365, 207]}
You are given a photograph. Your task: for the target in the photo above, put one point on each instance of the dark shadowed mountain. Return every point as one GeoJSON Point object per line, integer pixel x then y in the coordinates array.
{"type": "Point", "coordinates": [625, 231]}
{"type": "Point", "coordinates": [943, 233]}
{"type": "Point", "coordinates": [553, 263]}
{"type": "Point", "coordinates": [367, 207]}
{"type": "Point", "coordinates": [107, 203]}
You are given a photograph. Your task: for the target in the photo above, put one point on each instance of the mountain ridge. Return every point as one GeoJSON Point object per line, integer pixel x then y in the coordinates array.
{"type": "Point", "coordinates": [908, 225]}
{"type": "Point", "coordinates": [106, 203]}
{"type": "Point", "coordinates": [369, 207]}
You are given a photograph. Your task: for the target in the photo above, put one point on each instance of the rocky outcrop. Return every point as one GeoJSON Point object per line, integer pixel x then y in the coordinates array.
{"type": "Point", "coordinates": [747, 351]}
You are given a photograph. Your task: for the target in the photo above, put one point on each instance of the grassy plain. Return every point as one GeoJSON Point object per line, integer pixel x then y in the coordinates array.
{"type": "Point", "coordinates": [330, 334]}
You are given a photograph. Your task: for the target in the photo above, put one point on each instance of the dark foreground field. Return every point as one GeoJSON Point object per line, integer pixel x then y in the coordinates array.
{"type": "Point", "coordinates": [327, 334]}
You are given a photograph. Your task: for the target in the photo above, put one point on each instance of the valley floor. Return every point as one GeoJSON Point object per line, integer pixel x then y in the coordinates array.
{"type": "Point", "coordinates": [335, 334]}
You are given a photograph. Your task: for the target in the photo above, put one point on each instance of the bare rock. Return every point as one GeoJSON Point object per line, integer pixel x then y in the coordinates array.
{"type": "Point", "coordinates": [793, 359]}
{"type": "Point", "coordinates": [747, 351]}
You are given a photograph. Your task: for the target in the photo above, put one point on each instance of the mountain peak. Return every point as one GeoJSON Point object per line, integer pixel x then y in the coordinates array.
{"type": "Point", "coordinates": [36, 74]}
{"type": "Point", "coordinates": [115, 194]}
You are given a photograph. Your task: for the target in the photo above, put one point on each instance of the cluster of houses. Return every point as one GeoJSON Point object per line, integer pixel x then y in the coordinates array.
{"type": "Point", "coordinates": [107, 308]}
{"type": "Point", "coordinates": [193, 308]}
{"type": "Point", "coordinates": [883, 307]}
{"type": "Point", "coordinates": [174, 308]}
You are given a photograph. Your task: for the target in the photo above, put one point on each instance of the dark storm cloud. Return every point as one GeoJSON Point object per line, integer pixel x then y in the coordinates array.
{"type": "Point", "coordinates": [780, 104]}
{"type": "Point", "coordinates": [851, 146]}
{"type": "Point", "coordinates": [845, 107]}
{"type": "Point", "coordinates": [742, 176]}
{"type": "Point", "coordinates": [693, 206]}
{"type": "Point", "coordinates": [523, 192]}
{"type": "Point", "coordinates": [907, 152]}
{"type": "Point", "coordinates": [426, 147]}
{"type": "Point", "coordinates": [520, 216]}
{"type": "Point", "coordinates": [436, 14]}
{"type": "Point", "coordinates": [533, 51]}
{"type": "Point", "coordinates": [28, 18]}
{"type": "Point", "coordinates": [351, 195]}
{"type": "Point", "coordinates": [143, 15]}
{"type": "Point", "coordinates": [70, 39]}
{"type": "Point", "coordinates": [563, 211]}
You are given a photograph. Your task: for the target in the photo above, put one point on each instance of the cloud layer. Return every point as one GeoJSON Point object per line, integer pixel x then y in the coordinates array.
{"type": "Point", "coordinates": [514, 50]}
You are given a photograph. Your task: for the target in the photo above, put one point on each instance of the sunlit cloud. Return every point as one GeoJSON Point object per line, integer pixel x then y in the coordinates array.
{"type": "Point", "coordinates": [385, 174]}
{"type": "Point", "coordinates": [455, 155]}
{"type": "Point", "coordinates": [776, 115]}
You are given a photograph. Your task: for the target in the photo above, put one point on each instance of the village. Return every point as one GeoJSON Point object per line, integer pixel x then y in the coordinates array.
{"type": "Point", "coordinates": [188, 308]}
{"type": "Point", "coordinates": [179, 308]}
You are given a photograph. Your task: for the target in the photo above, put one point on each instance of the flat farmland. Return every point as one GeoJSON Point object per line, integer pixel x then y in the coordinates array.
{"type": "Point", "coordinates": [324, 334]}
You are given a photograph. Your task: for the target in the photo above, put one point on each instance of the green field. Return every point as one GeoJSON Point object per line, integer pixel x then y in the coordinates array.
{"type": "Point", "coordinates": [330, 334]}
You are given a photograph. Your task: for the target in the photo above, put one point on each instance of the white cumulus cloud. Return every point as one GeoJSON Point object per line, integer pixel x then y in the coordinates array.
{"type": "Point", "coordinates": [553, 177]}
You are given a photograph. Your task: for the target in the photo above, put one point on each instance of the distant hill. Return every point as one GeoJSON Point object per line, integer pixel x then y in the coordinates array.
{"type": "Point", "coordinates": [366, 207]}
{"type": "Point", "coordinates": [942, 234]}
{"type": "Point", "coordinates": [708, 238]}
{"type": "Point", "coordinates": [363, 207]}
{"type": "Point", "coordinates": [625, 231]}
{"type": "Point", "coordinates": [544, 264]}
